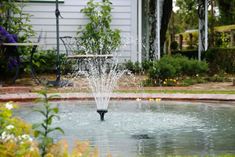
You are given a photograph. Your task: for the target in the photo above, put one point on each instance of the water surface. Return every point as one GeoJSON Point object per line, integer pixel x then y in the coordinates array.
{"type": "Point", "coordinates": [148, 129]}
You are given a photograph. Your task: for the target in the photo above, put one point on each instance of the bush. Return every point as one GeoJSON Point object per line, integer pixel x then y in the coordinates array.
{"type": "Point", "coordinates": [176, 66]}
{"type": "Point", "coordinates": [192, 54]}
{"type": "Point", "coordinates": [15, 134]}
{"type": "Point", "coordinates": [161, 70]}
{"type": "Point", "coordinates": [133, 67]}
{"type": "Point", "coordinates": [221, 60]}
{"type": "Point", "coordinates": [46, 61]}
{"type": "Point", "coordinates": [174, 45]}
{"type": "Point", "coordinates": [146, 65]}
{"type": "Point", "coordinates": [137, 68]}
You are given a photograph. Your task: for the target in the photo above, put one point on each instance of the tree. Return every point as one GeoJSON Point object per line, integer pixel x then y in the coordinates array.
{"type": "Point", "coordinates": [165, 18]}
{"type": "Point", "coordinates": [166, 15]}
{"type": "Point", "coordinates": [97, 37]}
{"type": "Point", "coordinates": [227, 11]}
{"type": "Point", "coordinates": [187, 13]}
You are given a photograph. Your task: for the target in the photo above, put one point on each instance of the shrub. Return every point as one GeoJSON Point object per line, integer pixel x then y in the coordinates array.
{"type": "Point", "coordinates": [15, 134]}
{"type": "Point", "coordinates": [161, 71]}
{"type": "Point", "coordinates": [176, 66]}
{"type": "Point", "coordinates": [133, 67]}
{"type": "Point", "coordinates": [81, 149]}
{"type": "Point", "coordinates": [174, 45]}
{"type": "Point", "coordinates": [45, 61]}
{"type": "Point", "coordinates": [146, 65]}
{"type": "Point", "coordinates": [192, 54]}
{"type": "Point", "coordinates": [221, 60]}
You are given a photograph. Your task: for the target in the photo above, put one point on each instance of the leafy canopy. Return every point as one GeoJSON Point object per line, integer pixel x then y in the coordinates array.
{"type": "Point", "coordinates": [98, 37]}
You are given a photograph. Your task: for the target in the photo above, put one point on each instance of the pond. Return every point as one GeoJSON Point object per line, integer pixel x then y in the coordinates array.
{"type": "Point", "coordinates": [145, 128]}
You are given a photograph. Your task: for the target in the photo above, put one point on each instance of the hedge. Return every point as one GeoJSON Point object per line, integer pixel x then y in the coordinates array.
{"type": "Point", "coordinates": [221, 59]}
{"type": "Point", "coordinates": [192, 54]}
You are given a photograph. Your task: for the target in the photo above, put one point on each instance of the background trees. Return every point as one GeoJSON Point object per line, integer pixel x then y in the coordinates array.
{"type": "Point", "coordinates": [227, 11]}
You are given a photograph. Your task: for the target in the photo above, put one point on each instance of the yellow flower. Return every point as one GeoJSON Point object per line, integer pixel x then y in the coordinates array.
{"type": "Point", "coordinates": [150, 99]}
{"type": "Point", "coordinates": [158, 99]}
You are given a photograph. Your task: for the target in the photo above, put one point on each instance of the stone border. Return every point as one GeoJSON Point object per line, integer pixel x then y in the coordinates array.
{"type": "Point", "coordinates": [26, 97]}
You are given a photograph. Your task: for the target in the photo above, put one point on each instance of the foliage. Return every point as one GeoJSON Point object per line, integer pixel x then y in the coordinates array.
{"type": "Point", "coordinates": [221, 60]}
{"type": "Point", "coordinates": [170, 82]}
{"type": "Point", "coordinates": [137, 68]}
{"type": "Point", "coordinates": [133, 67]}
{"type": "Point", "coordinates": [227, 11]}
{"type": "Point", "coordinates": [146, 65]}
{"type": "Point", "coordinates": [187, 13]}
{"type": "Point", "coordinates": [176, 66]}
{"type": "Point", "coordinates": [97, 37]}
{"type": "Point", "coordinates": [222, 39]}
{"type": "Point", "coordinates": [14, 20]}
{"type": "Point", "coordinates": [191, 54]}
{"type": "Point", "coordinates": [43, 129]}
{"type": "Point", "coordinates": [15, 139]}
{"type": "Point", "coordinates": [81, 149]}
{"type": "Point", "coordinates": [174, 45]}
{"type": "Point", "coordinates": [44, 61]}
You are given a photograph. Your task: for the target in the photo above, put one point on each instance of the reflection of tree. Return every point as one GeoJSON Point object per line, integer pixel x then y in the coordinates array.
{"type": "Point", "coordinates": [159, 145]}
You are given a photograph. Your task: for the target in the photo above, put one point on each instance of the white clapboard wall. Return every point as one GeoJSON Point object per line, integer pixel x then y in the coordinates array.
{"type": "Point", "coordinates": [124, 15]}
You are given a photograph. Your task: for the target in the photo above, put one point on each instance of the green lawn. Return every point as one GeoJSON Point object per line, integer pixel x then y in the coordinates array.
{"type": "Point", "coordinates": [179, 91]}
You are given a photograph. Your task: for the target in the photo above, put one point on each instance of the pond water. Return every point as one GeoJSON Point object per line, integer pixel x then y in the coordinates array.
{"type": "Point", "coordinates": [148, 129]}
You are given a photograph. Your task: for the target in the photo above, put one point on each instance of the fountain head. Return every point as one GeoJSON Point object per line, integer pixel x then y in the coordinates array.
{"type": "Point", "coordinates": [102, 112]}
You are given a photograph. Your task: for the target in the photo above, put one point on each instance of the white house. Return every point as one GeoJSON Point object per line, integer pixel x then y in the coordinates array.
{"type": "Point", "coordinates": [125, 17]}
{"type": "Point", "coordinates": [128, 15]}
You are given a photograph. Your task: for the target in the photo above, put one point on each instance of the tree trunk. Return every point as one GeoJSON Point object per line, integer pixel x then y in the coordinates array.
{"type": "Point", "coordinates": [166, 15]}
{"type": "Point", "coordinates": [212, 37]}
{"type": "Point", "coordinates": [152, 24]}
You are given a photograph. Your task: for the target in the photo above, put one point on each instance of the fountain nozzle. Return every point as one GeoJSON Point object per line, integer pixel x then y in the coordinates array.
{"type": "Point", "coordinates": [102, 112]}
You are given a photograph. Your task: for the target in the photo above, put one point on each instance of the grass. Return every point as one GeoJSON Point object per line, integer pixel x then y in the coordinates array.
{"type": "Point", "coordinates": [179, 91]}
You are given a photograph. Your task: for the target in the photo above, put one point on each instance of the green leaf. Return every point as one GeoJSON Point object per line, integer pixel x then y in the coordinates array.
{"type": "Point", "coordinates": [37, 133]}
{"type": "Point", "coordinates": [56, 110]}
{"type": "Point", "coordinates": [40, 111]}
{"type": "Point", "coordinates": [57, 128]}
{"type": "Point", "coordinates": [35, 126]}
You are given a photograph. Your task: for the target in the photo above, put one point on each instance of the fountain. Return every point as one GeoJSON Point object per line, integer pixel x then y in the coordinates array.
{"type": "Point", "coordinates": [102, 76]}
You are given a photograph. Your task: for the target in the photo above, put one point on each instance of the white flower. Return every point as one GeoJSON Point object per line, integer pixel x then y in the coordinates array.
{"type": "Point", "coordinates": [26, 137]}
{"type": "Point", "coordinates": [7, 137]}
{"type": "Point", "coordinates": [9, 106]}
{"type": "Point", "coordinates": [138, 99]}
{"type": "Point", "coordinates": [9, 127]}
{"type": "Point", "coordinates": [3, 136]}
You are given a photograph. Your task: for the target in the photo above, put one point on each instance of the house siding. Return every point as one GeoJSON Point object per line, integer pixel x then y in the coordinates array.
{"type": "Point", "coordinates": [124, 15]}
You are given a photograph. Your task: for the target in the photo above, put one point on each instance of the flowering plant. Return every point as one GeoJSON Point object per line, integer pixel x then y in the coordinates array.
{"type": "Point", "coordinates": [15, 134]}
{"type": "Point", "coordinates": [5, 36]}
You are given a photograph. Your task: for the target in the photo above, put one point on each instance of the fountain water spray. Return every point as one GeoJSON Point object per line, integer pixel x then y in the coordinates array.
{"type": "Point", "coordinates": [102, 76]}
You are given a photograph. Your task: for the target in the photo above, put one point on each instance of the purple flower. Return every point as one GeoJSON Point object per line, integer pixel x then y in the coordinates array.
{"type": "Point", "coordinates": [7, 37]}
{"type": "Point", "coordinates": [12, 63]}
